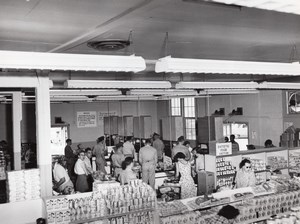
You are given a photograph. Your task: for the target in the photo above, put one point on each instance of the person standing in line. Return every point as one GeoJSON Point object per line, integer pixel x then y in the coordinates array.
{"type": "Point", "coordinates": [127, 174]}
{"type": "Point", "coordinates": [235, 145]}
{"type": "Point", "coordinates": [159, 146]}
{"type": "Point", "coordinates": [71, 159]}
{"type": "Point", "coordinates": [82, 173]}
{"type": "Point", "coordinates": [116, 159]}
{"type": "Point", "coordinates": [181, 148]}
{"type": "Point", "coordinates": [148, 161]}
{"type": "Point", "coordinates": [128, 148]}
{"type": "Point", "coordinates": [87, 160]}
{"type": "Point", "coordinates": [99, 151]}
{"type": "Point", "coordinates": [183, 167]}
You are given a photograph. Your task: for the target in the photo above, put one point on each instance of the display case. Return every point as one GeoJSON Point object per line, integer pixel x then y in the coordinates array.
{"type": "Point", "coordinates": [263, 162]}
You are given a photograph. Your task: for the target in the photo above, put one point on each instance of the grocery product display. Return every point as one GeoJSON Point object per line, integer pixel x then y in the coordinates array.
{"type": "Point", "coordinates": [23, 185]}
{"type": "Point", "coordinates": [110, 203]}
{"type": "Point", "coordinates": [225, 172]}
{"type": "Point", "coordinates": [277, 162]}
{"type": "Point", "coordinates": [294, 161]}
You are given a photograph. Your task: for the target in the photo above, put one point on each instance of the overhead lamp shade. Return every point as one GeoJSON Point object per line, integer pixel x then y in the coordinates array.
{"type": "Point", "coordinates": [85, 92]}
{"type": "Point", "coordinates": [216, 85]}
{"type": "Point", "coordinates": [185, 65]}
{"type": "Point", "coordinates": [278, 85]}
{"type": "Point", "coordinates": [107, 84]}
{"type": "Point", "coordinates": [72, 62]}
{"type": "Point", "coordinates": [164, 92]}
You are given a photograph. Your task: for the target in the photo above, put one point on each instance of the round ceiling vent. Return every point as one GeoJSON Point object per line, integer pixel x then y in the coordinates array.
{"type": "Point", "coordinates": [108, 45]}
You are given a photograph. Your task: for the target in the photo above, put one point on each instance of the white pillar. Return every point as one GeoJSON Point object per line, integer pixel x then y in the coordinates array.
{"type": "Point", "coordinates": [17, 119]}
{"type": "Point", "coordinates": [43, 128]}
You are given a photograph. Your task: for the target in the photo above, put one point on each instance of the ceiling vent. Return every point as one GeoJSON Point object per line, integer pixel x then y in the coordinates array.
{"type": "Point", "coordinates": [108, 45]}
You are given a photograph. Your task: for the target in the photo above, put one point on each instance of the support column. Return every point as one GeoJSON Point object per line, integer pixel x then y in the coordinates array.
{"type": "Point", "coordinates": [43, 134]}
{"type": "Point", "coordinates": [17, 118]}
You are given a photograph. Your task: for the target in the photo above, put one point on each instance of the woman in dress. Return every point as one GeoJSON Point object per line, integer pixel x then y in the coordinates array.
{"type": "Point", "coordinates": [245, 177]}
{"type": "Point", "coordinates": [127, 174]}
{"type": "Point", "coordinates": [183, 167]}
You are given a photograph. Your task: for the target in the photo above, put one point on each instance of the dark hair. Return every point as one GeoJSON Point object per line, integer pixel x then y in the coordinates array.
{"type": "Point", "coordinates": [88, 149]}
{"type": "Point", "coordinates": [186, 142]}
{"type": "Point", "coordinates": [268, 143]}
{"type": "Point", "coordinates": [232, 136]}
{"type": "Point", "coordinates": [229, 212]}
{"type": "Point", "coordinates": [243, 162]}
{"type": "Point", "coordinates": [128, 138]}
{"type": "Point", "coordinates": [179, 155]}
{"type": "Point", "coordinates": [117, 146]}
{"type": "Point", "coordinates": [68, 140]}
{"type": "Point", "coordinates": [126, 162]}
{"type": "Point", "coordinates": [148, 141]}
{"type": "Point", "coordinates": [180, 139]}
{"type": "Point", "coordinates": [100, 139]}
{"type": "Point", "coordinates": [81, 151]}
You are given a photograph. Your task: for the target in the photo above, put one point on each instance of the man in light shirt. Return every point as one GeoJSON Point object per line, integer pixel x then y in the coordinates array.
{"type": "Point", "coordinates": [61, 177]}
{"type": "Point", "coordinates": [148, 161]}
{"type": "Point", "coordinates": [159, 145]}
{"type": "Point", "coordinates": [181, 148]}
{"type": "Point", "coordinates": [128, 148]}
{"type": "Point", "coordinates": [82, 172]}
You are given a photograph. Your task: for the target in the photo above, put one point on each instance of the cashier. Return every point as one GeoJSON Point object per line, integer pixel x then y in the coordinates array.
{"type": "Point", "coordinates": [127, 174]}
{"type": "Point", "coordinates": [61, 178]}
{"type": "Point", "coordinates": [245, 177]}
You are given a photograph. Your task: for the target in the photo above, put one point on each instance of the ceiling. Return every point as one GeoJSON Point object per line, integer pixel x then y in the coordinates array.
{"type": "Point", "coordinates": [195, 28]}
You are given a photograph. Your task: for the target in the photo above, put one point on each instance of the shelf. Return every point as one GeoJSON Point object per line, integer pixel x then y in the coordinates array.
{"type": "Point", "coordinates": [110, 216]}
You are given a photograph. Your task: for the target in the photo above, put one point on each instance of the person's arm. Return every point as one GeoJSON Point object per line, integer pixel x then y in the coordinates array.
{"type": "Point", "coordinates": [155, 156]}
{"type": "Point", "coordinates": [60, 182]}
{"type": "Point", "coordinates": [122, 179]}
{"type": "Point", "coordinates": [177, 170]}
{"type": "Point", "coordinates": [188, 155]}
{"type": "Point", "coordinates": [141, 157]}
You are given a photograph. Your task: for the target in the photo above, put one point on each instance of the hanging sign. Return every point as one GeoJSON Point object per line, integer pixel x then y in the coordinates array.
{"type": "Point", "coordinates": [101, 114]}
{"type": "Point", "coordinates": [223, 149]}
{"type": "Point", "coordinates": [86, 119]}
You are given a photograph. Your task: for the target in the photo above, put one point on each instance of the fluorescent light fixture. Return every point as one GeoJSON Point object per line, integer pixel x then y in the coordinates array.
{"type": "Point", "coordinates": [216, 85]}
{"type": "Point", "coordinates": [228, 91]}
{"type": "Point", "coordinates": [103, 84]}
{"type": "Point", "coordinates": [185, 65]}
{"type": "Point", "coordinates": [286, 6]}
{"type": "Point", "coordinates": [163, 92]}
{"type": "Point", "coordinates": [86, 92]}
{"type": "Point", "coordinates": [278, 85]}
{"type": "Point", "coordinates": [73, 62]}
{"type": "Point", "coordinates": [124, 97]}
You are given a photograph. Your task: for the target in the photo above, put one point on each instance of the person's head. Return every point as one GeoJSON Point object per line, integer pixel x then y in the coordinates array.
{"type": "Point", "coordinates": [148, 141]}
{"type": "Point", "coordinates": [226, 139]}
{"type": "Point", "coordinates": [88, 152]}
{"type": "Point", "coordinates": [155, 136]}
{"type": "Point", "coordinates": [69, 141]}
{"type": "Point", "coordinates": [127, 163]}
{"type": "Point", "coordinates": [81, 154]}
{"type": "Point", "coordinates": [245, 165]}
{"type": "Point", "coordinates": [269, 143]}
{"type": "Point", "coordinates": [119, 147]}
{"type": "Point", "coordinates": [68, 190]}
{"type": "Point", "coordinates": [129, 139]}
{"type": "Point", "coordinates": [180, 140]}
{"type": "Point", "coordinates": [179, 157]}
{"type": "Point", "coordinates": [194, 151]}
{"type": "Point", "coordinates": [100, 139]}
{"type": "Point", "coordinates": [229, 212]}
{"type": "Point", "coordinates": [187, 143]}
{"type": "Point", "coordinates": [232, 137]}
{"type": "Point", "coordinates": [79, 146]}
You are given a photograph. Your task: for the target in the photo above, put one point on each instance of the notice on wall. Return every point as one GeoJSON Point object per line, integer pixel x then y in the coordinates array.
{"type": "Point", "coordinates": [223, 149]}
{"type": "Point", "coordinates": [101, 114]}
{"type": "Point", "coordinates": [86, 119]}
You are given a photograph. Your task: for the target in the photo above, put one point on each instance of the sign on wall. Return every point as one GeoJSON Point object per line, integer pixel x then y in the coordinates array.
{"type": "Point", "coordinates": [86, 119]}
{"type": "Point", "coordinates": [223, 149]}
{"type": "Point", "coordinates": [101, 114]}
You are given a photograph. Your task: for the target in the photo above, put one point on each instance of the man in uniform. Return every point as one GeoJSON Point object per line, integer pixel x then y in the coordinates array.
{"type": "Point", "coordinates": [148, 160]}
{"type": "Point", "coordinates": [159, 145]}
{"type": "Point", "coordinates": [181, 148]}
{"type": "Point", "coordinates": [99, 151]}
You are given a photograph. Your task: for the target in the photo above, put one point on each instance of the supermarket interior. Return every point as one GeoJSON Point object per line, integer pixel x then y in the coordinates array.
{"type": "Point", "coordinates": [153, 112]}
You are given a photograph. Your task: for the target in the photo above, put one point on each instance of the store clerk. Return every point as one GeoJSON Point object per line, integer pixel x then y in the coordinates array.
{"type": "Point", "coordinates": [61, 178]}
{"type": "Point", "coordinates": [127, 174]}
{"type": "Point", "coordinates": [245, 177]}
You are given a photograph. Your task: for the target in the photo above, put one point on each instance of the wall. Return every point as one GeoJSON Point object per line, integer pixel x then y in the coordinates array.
{"type": "Point", "coordinates": [68, 113]}
{"type": "Point", "coordinates": [262, 111]}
